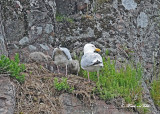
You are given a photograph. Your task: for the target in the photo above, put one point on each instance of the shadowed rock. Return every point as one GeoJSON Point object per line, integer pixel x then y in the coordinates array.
{"type": "Point", "coordinates": [2, 46]}
{"type": "Point", "coordinates": [7, 95]}
{"type": "Point", "coordinates": [72, 105]}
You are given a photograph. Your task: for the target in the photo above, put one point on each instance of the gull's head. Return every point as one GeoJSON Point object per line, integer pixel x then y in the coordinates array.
{"type": "Point", "coordinates": [90, 48]}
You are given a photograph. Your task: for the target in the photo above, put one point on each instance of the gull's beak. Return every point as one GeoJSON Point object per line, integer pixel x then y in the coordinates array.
{"type": "Point", "coordinates": [97, 49]}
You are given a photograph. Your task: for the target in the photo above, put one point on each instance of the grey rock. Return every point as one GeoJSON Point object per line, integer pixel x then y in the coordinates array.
{"type": "Point", "coordinates": [49, 28]}
{"type": "Point", "coordinates": [53, 6]}
{"type": "Point", "coordinates": [90, 32]}
{"type": "Point", "coordinates": [112, 51]}
{"type": "Point", "coordinates": [66, 7]}
{"type": "Point", "coordinates": [98, 26]}
{"type": "Point", "coordinates": [44, 46]}
{"type": "Point", "coordinates": [129, 4]}
{"type": "Point", "coordinates": [76, 32]}
{"type": "Point", "coordinates": [2, 46]}
{"type": "Point", "coordinates": [16, 47]}
{"type": "Point", "coordinates": [1, 38]}
{"type": "Point", "coordinates": [142, 20]}
{"type": "Point", "coordinates": [36, 16]}
{"type": "Point", "coordinates": [51, 39]}
{"type": "Point", "coordinates": [2, 103]}
{"type": "Point", "coordinates": [7, 95]}
{"type": "Point", "coordinates": [32, 48]}
{"type": "Point", "coordinates": [86, 1]}
{"type": "Point", "coordinates": [72, 105]}
{"type": "Point", "coordinates": [24, 41]}
{"type": "Point", "coordinates": [105, 34]}
{"type": "Point", "coordinates": [14, 29]}
{"type": "Point", "coordinates": [39, 30]}
{"type": "Point", "coordinates": [115, 4]}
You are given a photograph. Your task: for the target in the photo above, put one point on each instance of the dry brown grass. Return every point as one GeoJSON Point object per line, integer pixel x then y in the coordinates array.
{"type": "Point", "coordinates": [38, 95]}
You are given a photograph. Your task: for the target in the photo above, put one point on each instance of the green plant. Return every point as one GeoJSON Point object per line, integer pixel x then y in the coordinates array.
{"type": "Point", "coordinates": [62, 85]}
{"type": "Point", "coordinates": [102, 1]}
{"type": "Point", "coordinates": [125, 82]}
{"type": "Point", "coordinates": [107, 52]}
{"type": "Point", "coordinates": [60, 18]}
{"type": "Point", "coordinates": [155, 92]}
{"type": "Point", "coordinates": [12, 67]}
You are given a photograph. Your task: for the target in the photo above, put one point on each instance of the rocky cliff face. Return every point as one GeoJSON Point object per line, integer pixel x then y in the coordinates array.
{"type": "Point", "coordinates": [129, 29]}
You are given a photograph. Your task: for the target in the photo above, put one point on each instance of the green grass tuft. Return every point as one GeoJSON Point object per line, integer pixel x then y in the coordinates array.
{"type": "Point", "coordinates": [61, 18]}
{"type": "Point", "coordinates": [62, 85]}
{"type": "Point", "coordinates": [125, 82]}
{"type": "Point", "coordinates": [12, 67]}
{"type": "Point", "coordinates": [155, 92]}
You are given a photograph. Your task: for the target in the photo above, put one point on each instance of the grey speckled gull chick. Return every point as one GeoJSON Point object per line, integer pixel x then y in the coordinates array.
{"type": "Point", "coordinates": [91, 61]}
{"type": "Point", "coordinates": [61, 56]}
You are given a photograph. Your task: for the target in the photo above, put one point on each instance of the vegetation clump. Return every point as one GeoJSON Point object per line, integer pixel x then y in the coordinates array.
{"type": "Point", "coordinates": [12, 67]}
{"type": "Point", "coordinates": [61, 18]}
{"type": "Point", "coordinates": [155, 92]}
{"type": "Point", "coordinates": [62, 85]}
{"type": "Point", "coordinates": [113, 83]}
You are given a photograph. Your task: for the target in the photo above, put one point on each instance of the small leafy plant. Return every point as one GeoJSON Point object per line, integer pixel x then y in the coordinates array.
{"type": "Point", "coordinates": [155, 92]}
{"type": "Point", "coordinates": [62, 85]}
{"type": "Point", "coordinates": [102, 1]}
{"type": "Point", "coordinates": [60, 18]}
{"type": "Point", "coordinates": [12, 67]}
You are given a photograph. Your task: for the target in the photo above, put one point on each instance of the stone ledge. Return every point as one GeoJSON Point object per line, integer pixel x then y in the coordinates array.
{"type": "Point", "coordinates": [7, 95]}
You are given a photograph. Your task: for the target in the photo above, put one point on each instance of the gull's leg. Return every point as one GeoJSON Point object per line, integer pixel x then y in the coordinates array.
{"type": "Point", "coordinates": [88, 77]}
{"type": "Point", "coordinates": [98, 75]}
{"type": "Point", "coordinates": [77, 73]}
{"type": "Point", "coordinates": [58, 69]}
{"type": "Point", "coordinates": [66, 70]}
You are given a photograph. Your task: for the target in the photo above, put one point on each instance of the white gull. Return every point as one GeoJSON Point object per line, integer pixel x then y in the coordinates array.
{"type": "Point", "coordinates": [91, 61]}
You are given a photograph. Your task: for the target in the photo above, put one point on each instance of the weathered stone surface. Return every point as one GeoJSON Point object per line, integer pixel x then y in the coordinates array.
{"type": "Point", "coordinates": [72, 105]}
{"type": "Point", "coordinates": [49, 28]}
{"type": "Point", "coordinates": [129, 4]}
{"type": "Point", "coordinates": [3, 49]}
{"type": "Point", "coordinates": [142, 20]}
{"type": "Point", "coordinates": [32, 48]}
{"type": "Point", "coordinates": [39, 30]}
{"type": "Point", "coordinates": [44, 46]}
{"type": "Point", "coordinates": [2, 46]}
{"type": "Point", "coordinates": [7, 95]}
{"type": "Point", "coordinates": [32, 22]}
{"type": "Point", "coordinates": [24, 41]}
{"type": "Point", "coordinates": [14, 29]}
